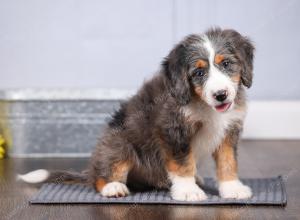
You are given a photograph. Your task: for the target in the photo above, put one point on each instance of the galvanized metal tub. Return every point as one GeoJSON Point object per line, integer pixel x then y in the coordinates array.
{"type": "Point", "coordinates": [55, 123]}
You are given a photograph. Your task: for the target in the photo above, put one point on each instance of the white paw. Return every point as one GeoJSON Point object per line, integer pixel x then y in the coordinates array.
{"type": "Point", "coordinates": [189, 192]}
{"type": "Point", "coordinates": [234, 189]}
{"type": "Point", "coordinates": [115, 189]}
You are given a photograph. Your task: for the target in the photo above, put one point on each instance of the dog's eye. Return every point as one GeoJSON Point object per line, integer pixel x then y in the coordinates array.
{"type": "Point", "coordinates": [225, 64]}
{"type": "Point", "coordinates": [199, 72]}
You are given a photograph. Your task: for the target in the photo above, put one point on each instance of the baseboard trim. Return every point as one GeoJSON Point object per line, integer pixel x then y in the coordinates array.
{"type": "Point", "coordinates": [272, 120]}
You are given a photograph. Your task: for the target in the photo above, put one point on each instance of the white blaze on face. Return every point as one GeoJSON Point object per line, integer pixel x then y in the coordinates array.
{"type": "Point", "coordinates": [216, 79]}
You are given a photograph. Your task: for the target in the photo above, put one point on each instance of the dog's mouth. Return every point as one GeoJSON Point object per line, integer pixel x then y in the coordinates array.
{"type": "Point", "coordinates": [223, 107]}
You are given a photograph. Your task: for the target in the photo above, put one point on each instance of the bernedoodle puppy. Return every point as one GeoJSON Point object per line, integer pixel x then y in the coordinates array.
{"type": "Point", "coordinates": [193, 107]}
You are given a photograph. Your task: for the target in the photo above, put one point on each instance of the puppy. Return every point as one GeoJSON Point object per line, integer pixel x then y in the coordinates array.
{"type": "Point", "coordinates": [193, 107]}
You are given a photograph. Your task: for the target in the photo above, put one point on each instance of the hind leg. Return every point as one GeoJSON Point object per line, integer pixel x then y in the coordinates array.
{"type": "Point", "coordinates": [114, 185]}
{"type": "Point", "coordinates": [110, 163]}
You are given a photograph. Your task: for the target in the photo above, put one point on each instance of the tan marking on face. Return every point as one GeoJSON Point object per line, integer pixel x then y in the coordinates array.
{"type": "Point", "coordinates": [201, 64]}
{"type": "Point", "coordinates": [219, 58]}
{"type": "Point", "coordinates": [236, 78]}
{"type": "Point", "coordinates": [100, 183]}
{"type": "Point", "coordinates": [225, 161]}
{"type": "Point", "coordinates": [188, 168]}
{"type": "Point", "coordinates": [198, 90]}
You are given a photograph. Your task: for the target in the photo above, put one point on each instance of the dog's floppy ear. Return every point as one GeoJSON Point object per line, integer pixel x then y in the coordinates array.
{"type": "Point", "coordinates": [174, 69]}
{"type": "Point", "coordinates": [245, 51]}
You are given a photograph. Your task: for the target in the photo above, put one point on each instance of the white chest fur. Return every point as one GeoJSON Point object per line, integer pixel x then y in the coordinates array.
{"type": "Point", "coordinates": [213, 130]}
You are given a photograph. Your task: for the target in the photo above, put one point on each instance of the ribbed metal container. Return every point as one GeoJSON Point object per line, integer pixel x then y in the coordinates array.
{"type": "Point", "coordinates": [56, 123]}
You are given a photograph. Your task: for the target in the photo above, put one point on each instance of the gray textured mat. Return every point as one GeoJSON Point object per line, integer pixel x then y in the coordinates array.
{"type": "Point", "coordinates": [268, 191]}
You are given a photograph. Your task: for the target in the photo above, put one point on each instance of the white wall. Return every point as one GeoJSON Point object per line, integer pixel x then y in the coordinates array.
{"type": "Point", "coordinates": [97, 43]}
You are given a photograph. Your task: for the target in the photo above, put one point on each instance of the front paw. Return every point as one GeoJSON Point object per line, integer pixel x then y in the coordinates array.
{"type": "Point", "coordinates": [189, 192]}
{"type": "Point", "coordinates": [234, 189]}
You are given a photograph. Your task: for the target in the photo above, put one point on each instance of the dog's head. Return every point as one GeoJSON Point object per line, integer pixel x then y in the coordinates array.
{"type": "Point", "coordinates": [212, 67]}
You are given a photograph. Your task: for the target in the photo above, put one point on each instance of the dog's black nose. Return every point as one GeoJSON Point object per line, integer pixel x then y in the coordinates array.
{"type": "Point", "coordinates": [220, 95]}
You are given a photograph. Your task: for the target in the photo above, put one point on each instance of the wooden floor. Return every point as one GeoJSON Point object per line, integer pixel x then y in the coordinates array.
{"type": "Point", "coordinates": [256, 159]}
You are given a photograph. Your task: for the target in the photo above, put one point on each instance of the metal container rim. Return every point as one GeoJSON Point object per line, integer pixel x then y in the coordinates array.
{"type": "Point", "coordinates": [34, 94]}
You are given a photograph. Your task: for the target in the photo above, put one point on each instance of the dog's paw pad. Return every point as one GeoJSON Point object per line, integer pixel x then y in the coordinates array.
{"type": "Point", "coordinates": [188, 193]}
{"type": "Point", "coordinates": [114, 189]}
{"type": "Point", "coordinates": [234, 189]}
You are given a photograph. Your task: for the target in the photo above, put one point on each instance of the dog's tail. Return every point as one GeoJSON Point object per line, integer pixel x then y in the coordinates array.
{"type": "Point", "coordinates": [41, 176]}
